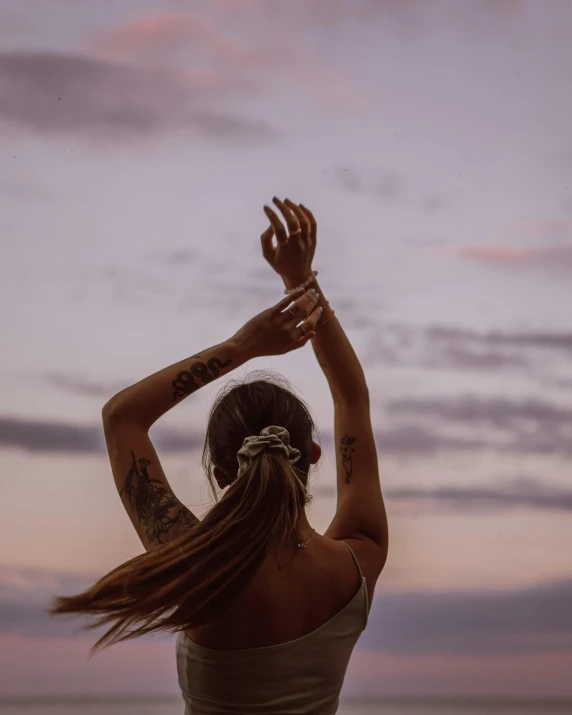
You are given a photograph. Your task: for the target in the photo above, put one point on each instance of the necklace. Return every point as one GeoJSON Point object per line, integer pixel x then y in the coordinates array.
{"type": "Point", "coordinates": [300, 545]}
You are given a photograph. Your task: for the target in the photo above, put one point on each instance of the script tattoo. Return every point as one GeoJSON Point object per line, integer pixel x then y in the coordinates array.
{"type": "Point", "coordinates": [157, 508]}
{"type": "Point", "coordinates": [346, 450]}
{"type": "Point", "coordinates": [184, 383]}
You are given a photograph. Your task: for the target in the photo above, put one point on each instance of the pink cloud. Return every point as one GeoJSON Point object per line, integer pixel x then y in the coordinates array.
{"type": "Point", "coordinates": [169, 34]}
{"type": "Point", "coordinates": [208, 56]}
{"type": "Point", "coordinates": [491, 254]}
{"type": "Point", "coordinates": [148, 33]}
{"type": "Point", "coordinates": [550, 258]}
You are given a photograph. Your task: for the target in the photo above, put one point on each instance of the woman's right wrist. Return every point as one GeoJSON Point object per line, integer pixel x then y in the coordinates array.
{"type": "Point", "coordinates": [291, 284]}
{"type": "Point", "coordinates": [327, 310]}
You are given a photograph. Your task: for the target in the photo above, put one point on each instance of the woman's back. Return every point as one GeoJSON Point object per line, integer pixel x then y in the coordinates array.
{"type": "Point", "coordinates": [284, 646]}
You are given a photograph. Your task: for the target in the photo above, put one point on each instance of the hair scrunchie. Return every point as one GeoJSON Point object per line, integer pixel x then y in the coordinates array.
{"type": "Point", "coordinates": [273, 437]}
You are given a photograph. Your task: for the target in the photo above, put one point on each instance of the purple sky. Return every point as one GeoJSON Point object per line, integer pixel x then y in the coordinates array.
{"type": "Point", "coordinates": [138, 142]}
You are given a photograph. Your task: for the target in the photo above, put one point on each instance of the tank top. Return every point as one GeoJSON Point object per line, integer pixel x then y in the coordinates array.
{"type": "Point", "coordinates": [302, 676]}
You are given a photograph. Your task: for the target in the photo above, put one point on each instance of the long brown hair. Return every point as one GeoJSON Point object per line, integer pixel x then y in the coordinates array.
{"type": "Point", "coordinates": [191, 581]}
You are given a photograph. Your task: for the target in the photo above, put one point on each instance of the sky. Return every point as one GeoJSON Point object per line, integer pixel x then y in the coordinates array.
{"type": "Point", "coordinates": [139, 141]}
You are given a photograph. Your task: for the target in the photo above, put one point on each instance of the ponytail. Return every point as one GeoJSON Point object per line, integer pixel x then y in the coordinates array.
{"type": "Point", "coordinates": [193, 580]}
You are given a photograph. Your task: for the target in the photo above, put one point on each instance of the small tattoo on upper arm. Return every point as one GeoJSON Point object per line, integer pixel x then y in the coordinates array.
{"type": "Point", "coordinates": [346, 450]}
{"type": "Point", "coordinates": [184, 383]}
{"type": "Point", "coordinates": [156, 507]}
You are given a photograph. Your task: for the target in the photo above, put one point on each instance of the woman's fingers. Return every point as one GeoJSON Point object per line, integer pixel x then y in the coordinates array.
{"type": "Point", "coordinates": [289, 217]}
{"type": "Point", "coordinates": [311, 221]}
{"type": "Point", "coordinates": [277, 225]}
{"type": "Point", "coordinates": [303, 221]}
{"type": "Point", "coordinates": [302, 308]}
{"type": "Point", "coordinates": [268, 250]}
{"type": "Point", "coordinates": [309, 326]}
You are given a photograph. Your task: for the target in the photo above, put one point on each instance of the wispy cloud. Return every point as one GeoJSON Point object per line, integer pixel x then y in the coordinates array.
{"type": "Point", "coordinates": [517, 426]}
{"type": "Point", "coordinates": [68, 438]}
{"type": "Point", "coordinates": [434, 202]}
{"type": "Point", "coordinates": [170, 35]}
{"type": "Point", "coordinates": [456, 348]}
{"type": "Point", "coordinates": [417, 427]}
{"type": "Point", "coordinates": [549, 259]}
{"type": "Point", "coordinates": [523, 620]}
{"type": "Point", "coordinates": [228, 56]}
{"type": "Point", "coordinates": [61, 94]}
{"type": "Point", "coordinates": [518, 494]}
{"type": "Point", "coordinates": [385, 184]}
{"type": "Point", "coordinates": [496, 412]}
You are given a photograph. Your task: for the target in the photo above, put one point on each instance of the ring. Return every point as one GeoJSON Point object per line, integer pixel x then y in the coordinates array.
{"type": "Point", "coordinates": [291, 313]}
{"type": "Point", "coordinates": [302, 329]}
{"type": "Point", "coordinates": [296, 232]}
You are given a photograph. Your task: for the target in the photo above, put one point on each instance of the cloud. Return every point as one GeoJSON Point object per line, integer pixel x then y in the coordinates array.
{"type": "Point", "coordinates": [418, 427]}
{"type": "Point", "coordinates": [387, 184]}
{"type": "Point", "coordinates": [81, 386]}
{"type": "Point", "coordinates": [516, 621]}
{"type": "Point", "coordinates": [71, 438]}
{"type": "Point", "coordinates": [434, 202]}
{"type": "Point", "coordinates": [62, 94]}
{"type": "Point", "coordinates": [521, 493]}
{"type": "Point", "coordinates": [535, 619]}
{"type": "Point", "coordinates": [525, 426]}
{"type": "Point", "coordinates": [149, 34]}
{"type": "Point", "coordinates": [499, 412]}
{"type": "Point", "coordinates": [453, 348]}
{"type": "Point", "coordinates": [176, 35]}
{"type": "Point", "coordinates": [549, 259]}
{"type": "Point", "coordinates": [349, 180]}
{"type": "Point", "coordinates": [236, 59]}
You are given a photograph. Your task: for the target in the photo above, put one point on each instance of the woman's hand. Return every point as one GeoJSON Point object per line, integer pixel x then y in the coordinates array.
{"type": "Point", "coordinates": [274, 331]}
{"type": "Point", "coordinates": [292, 258]}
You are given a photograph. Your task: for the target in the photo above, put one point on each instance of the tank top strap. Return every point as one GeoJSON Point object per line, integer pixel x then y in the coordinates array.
{"type": "Point", "coordinates": [355, 559]}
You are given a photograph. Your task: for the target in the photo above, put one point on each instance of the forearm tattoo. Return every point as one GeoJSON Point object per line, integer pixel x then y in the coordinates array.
{"type": "Point", "coordinates": [184, 383]}
{"type": "Point", "coordinates": [346, 450]}
{"type": "Point", "coordinates": [157, 508]}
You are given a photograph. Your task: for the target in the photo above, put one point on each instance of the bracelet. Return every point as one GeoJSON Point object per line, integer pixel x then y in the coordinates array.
{"type": "Point", "coordinates": [306, 283]}
{"type": "Point", "coordinates": [325, 321]}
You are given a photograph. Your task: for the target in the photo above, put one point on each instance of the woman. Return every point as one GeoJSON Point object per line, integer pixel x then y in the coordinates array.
{"type": "Point", "coordinates": [267, 611]}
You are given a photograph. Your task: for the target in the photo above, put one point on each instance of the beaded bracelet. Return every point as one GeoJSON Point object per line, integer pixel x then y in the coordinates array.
{"type": "Point", "coordinates": [304, 285]}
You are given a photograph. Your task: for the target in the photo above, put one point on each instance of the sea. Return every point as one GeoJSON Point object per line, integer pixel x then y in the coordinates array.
{"type": "Point", "coordinates": [347, 707]}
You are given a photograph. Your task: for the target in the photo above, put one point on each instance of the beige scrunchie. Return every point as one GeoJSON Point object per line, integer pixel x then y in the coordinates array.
{"type": "Point", "coordinates": [272, 437]}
